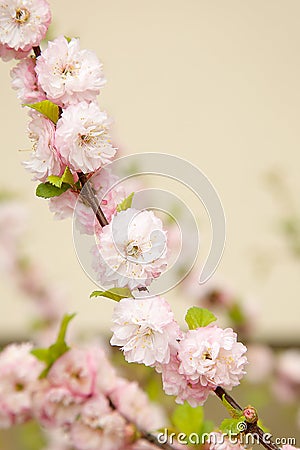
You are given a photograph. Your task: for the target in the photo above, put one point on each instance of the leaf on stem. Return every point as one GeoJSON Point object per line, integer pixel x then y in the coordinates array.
{"type": "Point", "coordinates": [51, 354]}
{"type": "Point", "coordinates": [199, 317]}
{"type": "Point", "coordinates": [115, 294]}
{"type": "Point", "coordinates": [67, 178]}
{"type": "Point", "coordinates": [47, 108]}
{"type": "Point", "coordinates": [48, 190]}
{"type": "Point", "coordinates": [126, 203]}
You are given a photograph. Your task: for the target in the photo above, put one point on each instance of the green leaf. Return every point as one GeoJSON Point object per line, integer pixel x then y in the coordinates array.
{"type": "Point", "coordinates": [55, 180]}
{"type": "Point", "coordinates": [126, 203]}
{"type": "Point", "coordinates": [233, 426]}
{"type": "Point", "coordinates": [115, 294]}
{"type": "Point", "coordinates": [188, 420]}
{"type": "Point", "coordinates": [46, 108]}
{"type": "Point", "coordinates": [199, 317]}
{"type": "Point", "coordinates": [51, 354]}
{"type": "Point", "coordinates": [47, 190]}
{"type": "Point", "coordinates": [67, 178]}
{"type": "Point", "coordinates": [235, 413]}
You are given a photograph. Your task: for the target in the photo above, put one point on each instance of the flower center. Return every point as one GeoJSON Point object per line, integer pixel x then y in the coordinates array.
{"type": "Point", "coordinates": [22, 15]}
{"type": "Point", "coordinates": [68, 69]}
{"type": "Point", "coordinates": [133, 250]}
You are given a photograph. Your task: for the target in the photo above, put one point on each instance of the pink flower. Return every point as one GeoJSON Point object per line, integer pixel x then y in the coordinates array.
{"type": "Point", "coordinates": [217, 441]}
{"type": "Point", "coordinates": [76, 370]}
{"type": "Point", "coordinates": [55, 406]}
{"type": "Point", "coordinates": [131, 250]}
{"type": "Point", "coordinates": [18, 373]}
{"type": "Point", "coordinates": [145, 328]}
{"type": "Point", "coordinates": [63, 206]}
{"type": "Point", "coordinates": [134, 404]}
{"type": "Point", "coordinates": [82, 137]}
{"type": "Point", "coordinates": [67, 74]}
{"type": "Point", "coordinates": [23, 23]}
{"type": "Point", "coordinates": [212, 357]}
{"type": "Point", "coordinates": [181, 386]}
{"type": "Point", "coordinates": [98, 427]}
{"type": "Point", "coordinates": [7, 53]}
{"type": "Point", "coordinates": [24, 81]}
{"type": "Point", "coordinates": [45, 159]}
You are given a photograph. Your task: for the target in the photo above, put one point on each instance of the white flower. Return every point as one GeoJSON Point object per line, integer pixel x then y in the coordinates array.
{"type": "Point", "coordinates": [83, 139]}
{"type": "Point", "coordinates": [145, 328]}
{"type": "Point", "coordinates": [45, 159]}
{"type": "Point", "coordinates": [131, 250]}
{"type": "Point", "coordinates": [23, 23]}
{"type": "Point", "coordinates": [67, 74]}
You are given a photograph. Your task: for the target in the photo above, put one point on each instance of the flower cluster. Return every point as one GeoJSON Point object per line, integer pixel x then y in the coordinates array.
{"type": "Point", "coordinates": [81, 396]}
{"type": "Point", "coordinates": [70, 134]}
{"type": "Point", "coordinates": [192, 364]}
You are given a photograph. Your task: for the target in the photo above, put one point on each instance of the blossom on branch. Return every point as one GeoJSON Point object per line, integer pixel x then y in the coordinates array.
{"type": "Point", "coordinates": [68, 74]}
{"type": "Point", "coordinates": [44, 160]}
{"type": "Point", "coordinates": [24, 81]}
{"type": "Point", "coordinates": [145, 329]}
{"type": "Point", "coordinates": [83, 139]}
{"type": "Point", "coordinates": [212, 357]}
{"type": "Point", "coordinates": [23, 24]}
{"type": "Point", "coordinates": [131, 250]}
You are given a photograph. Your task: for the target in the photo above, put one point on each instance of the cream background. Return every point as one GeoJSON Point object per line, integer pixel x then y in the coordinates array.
{"type": "Point", "coordinates": [215, 82]}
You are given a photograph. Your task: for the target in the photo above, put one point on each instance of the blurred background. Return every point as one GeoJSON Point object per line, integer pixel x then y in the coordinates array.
{"type": "Point", "coordinates": [216, 83]}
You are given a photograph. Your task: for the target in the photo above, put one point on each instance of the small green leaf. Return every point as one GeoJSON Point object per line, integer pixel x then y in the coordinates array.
{"type": "Point", "coordinates": [55, 180]}
{"type": "Point", "coordinates": [233, 427]}
{"type": "Point", "coordinates": [51, 354]}
{"type": "Point", "coordinates": [235, 413]}
{"type": "Point", "coordinates": [41, 354]}
{"type": "Point", "coordinates": [67, 176]}
{"type": "Point", "coordinates": [115, 294]}
{"type": "Point", "coordinates": [188, 420]}
{"type": "Point", "coordinates": [68, 39]}
{"type": "Point", "coordinates": [47, 190]}
{"type": "Point", "coordinates": [199, 317]}
{"type": "Point", "coordinates": [126, 203]}
{"type": "Point", "coordinates": [46, 108]}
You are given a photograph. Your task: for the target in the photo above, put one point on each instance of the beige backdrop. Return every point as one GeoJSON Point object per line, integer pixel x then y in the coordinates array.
{"type": "Point", "coordinates": [216, 82]}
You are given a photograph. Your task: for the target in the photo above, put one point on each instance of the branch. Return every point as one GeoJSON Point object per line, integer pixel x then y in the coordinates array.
{"type": "Point", "coordinates": [37, 51]}
{"type": "Point", "coordinates": [151, 438]}
{"type": "Point", "coordinates": [252, 428]}
{"type": "Point", "coordinates": [90, 197]}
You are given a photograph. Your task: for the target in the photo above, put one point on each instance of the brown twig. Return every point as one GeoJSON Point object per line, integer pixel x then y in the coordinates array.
{"type": "Point", "coordinates": [90, 197]}
{"type": "Point", "coordinates": [37, 51]}
{"type": "Point", "coordinates": [252, 428]}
